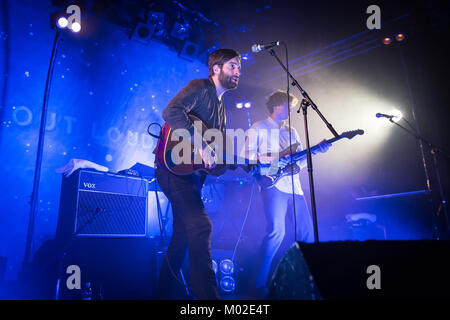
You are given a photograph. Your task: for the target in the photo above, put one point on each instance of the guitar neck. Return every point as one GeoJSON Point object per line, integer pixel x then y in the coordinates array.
{"type": "Point", "coordinates": [246, 164]}
{"type": "Point", "coordinates": [302, 154]}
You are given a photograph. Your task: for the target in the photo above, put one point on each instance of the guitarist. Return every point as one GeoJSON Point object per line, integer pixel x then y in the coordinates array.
{"type": "Point", "coordinates": [262, 144]}
{"type": "Point", "coordinates": [191, 225]}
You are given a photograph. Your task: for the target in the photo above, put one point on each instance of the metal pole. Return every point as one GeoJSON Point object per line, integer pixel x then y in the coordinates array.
{"type": "Point", "coordinates": [40, 149]}
{"type": "Point", "coordinates": [419, 133]}
{"type": "Point", "coordinates": [304, 106]}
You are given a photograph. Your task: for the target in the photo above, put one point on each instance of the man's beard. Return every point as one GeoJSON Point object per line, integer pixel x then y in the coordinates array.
{"type": "Point", "coordinates": [226, 82]}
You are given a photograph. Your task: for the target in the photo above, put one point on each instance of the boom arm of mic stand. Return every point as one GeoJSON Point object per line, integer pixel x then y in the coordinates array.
{"type": "Point", "coordinates": [418, 137]}
{"type": "Point", "coordinates": [304, 105]}
{"type": "Point", "coordinates": [305, 95]}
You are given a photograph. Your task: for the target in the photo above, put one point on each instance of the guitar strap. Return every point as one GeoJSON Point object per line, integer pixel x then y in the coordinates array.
{"type": "Point", "coordinates": [154, 135]}
{"type": "Point", "coordinates": [222, 110]}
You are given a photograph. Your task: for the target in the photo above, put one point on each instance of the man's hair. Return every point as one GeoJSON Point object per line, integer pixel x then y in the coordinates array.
{"type": "Point", "coordinates": [278, 98]}
{"type": "Point", "coordinates": [219, 57]}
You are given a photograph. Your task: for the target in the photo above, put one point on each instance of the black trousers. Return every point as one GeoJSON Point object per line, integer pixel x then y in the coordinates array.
{"type": "Point", "coordinates": [192, 230]}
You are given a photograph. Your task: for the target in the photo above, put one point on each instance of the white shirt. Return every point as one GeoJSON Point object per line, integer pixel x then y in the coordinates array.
{"type": "Point", "coordinates": [268, 137]}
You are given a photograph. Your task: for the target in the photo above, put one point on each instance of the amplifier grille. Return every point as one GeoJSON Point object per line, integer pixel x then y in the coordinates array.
{"type": "Point", "coordinates": [101, 213]}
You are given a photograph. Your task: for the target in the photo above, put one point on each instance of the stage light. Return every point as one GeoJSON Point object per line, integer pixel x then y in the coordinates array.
{"type": "Point", "coordinates": [226, 266]}
{"type": "Point", "coordinates": [387, 40]}
{"type": "Point", "coordinates": [248, 58]}
{"type": "Point", "coordinates": [248, 105]}
{"type": "Point", "coordinates": [143, 32]}
{"type": "Point", "coordinates": [62, 22]}
{"type": "Point", "coordinates": [227, 284]}
{"type": "Point", "coordinates": [180, 30]}
{"type": "Point", "coordinates": [214, 47]}
{"type": "Point", "coordinates": [400, 37]}
{"type": "Point", "coordinates": [189, 50]}
{"type": "Point", "coordinates": [239, 105]}
{"type": "Point", "coordinates": [398, 115]}
{"type": "Point", "coordinates": [157, 20]}
{"type": "Point", "coordinates": [76, 27]}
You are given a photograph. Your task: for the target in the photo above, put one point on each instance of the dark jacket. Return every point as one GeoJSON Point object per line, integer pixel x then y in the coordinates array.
{"type": "Point", "coordinates": [198, 98]}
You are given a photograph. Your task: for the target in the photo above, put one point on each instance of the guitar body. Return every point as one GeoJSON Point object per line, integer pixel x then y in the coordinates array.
{"type": "Point", "coordinates": [165, 156]}
{"type": "Point", "coordinates": [269, 181]}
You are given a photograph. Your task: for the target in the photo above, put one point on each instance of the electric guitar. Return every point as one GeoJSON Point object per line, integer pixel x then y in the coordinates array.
{"type": "Point", "coordinates": [268, 181]}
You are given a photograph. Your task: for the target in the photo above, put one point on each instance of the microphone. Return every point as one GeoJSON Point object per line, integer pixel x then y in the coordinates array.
{"type": "Point", "coordinates": [382, 115]}
{"type": "Point", "coordinates": [260, 47]}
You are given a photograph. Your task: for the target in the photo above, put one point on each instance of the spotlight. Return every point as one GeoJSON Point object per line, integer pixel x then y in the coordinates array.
{"type": "Point", "coordinates": [400, 37]}
{"type": "Point", "coordinates": [62, 22]}
{"type": "Point", "coordinates": [76, 27]}
{"type": "Point", "coordinates": [157, 19]}
{"type": "Point", "coordinates": [189, 51]}
{"type": "Point", "coordinates": [180, 30]}
{"type": "Point", "coordinates": [214, 47]}
{"type": "Point", "coordinates": [248, 105]}
{"type": "Point", "coordinates": [248, 58]}
{"type": "Point", "coordinates": [143, 32]}
{"type": "Point", "coordinates": [398, 115]}
{"type": "Point", "coordinates": [226, 266]}
{"type": "Point", "coordinates": [227, 284]}
{"type": "Point", "coordinates": [239, 105]}
{"type": "Point", "coordinates": [387, 40]}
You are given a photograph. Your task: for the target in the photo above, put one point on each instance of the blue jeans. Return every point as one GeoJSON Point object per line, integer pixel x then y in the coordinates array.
{"type": "Point", "coordinates": [276, 205]}
{"type": "Point", "coordinates": [191, 232]}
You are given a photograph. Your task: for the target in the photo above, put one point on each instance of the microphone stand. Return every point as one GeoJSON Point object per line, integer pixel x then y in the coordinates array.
{"type": "Point", "coordinates": [307, 102]}
{"type": "Point", "coordinates": [40, 150]}
{"type": "Point", "coordinates": [433, 150]}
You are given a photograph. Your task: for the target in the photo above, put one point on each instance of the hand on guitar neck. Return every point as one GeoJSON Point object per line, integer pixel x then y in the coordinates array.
{"type": "Point", "coordinates": [285, 159]}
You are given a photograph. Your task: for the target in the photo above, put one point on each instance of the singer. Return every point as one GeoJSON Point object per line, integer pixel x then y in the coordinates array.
{"type": "Point", "coordinates": [191, 224]}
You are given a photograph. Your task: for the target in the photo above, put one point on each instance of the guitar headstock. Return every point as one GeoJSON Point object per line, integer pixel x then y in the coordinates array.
{"type": "Point", "coordinates": [351, 134]}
